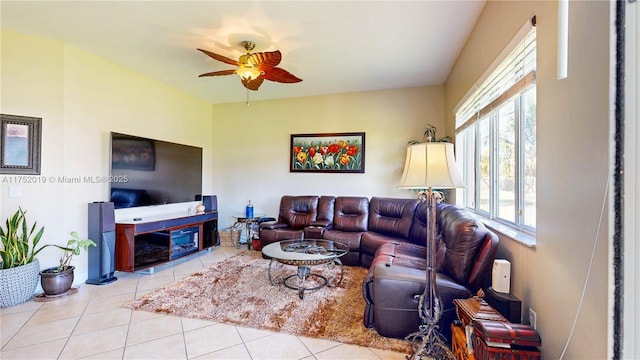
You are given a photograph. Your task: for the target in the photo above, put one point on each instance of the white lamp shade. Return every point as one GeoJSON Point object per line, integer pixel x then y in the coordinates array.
{"type": "Point", "coordinates": [430, 164]}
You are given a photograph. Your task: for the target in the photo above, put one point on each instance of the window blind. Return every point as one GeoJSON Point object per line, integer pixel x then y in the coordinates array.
{"type": "Point", "coordinates": [512, 74]}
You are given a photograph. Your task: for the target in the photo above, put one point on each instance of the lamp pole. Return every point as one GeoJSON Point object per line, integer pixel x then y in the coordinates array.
{"type": "Point", "coordinates": [427, 165]}
{"type": "Point", "coordinates": [427, 343]}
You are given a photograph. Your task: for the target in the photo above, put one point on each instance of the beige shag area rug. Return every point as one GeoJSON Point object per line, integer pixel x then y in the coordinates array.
{"type": "Point", "coordinates": [238, 291]}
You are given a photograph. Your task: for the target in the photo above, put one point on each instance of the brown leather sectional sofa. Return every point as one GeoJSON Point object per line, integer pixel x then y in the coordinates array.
{"type": "Point", "coordinates": [387, 236]}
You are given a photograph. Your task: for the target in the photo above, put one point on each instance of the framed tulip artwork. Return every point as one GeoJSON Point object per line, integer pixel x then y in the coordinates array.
{"type": "Point", "coordinates": [333, 153]}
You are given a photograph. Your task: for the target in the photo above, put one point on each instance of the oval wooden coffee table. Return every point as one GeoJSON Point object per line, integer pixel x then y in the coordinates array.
{"type": "Point", "coordinates": [304, 254]}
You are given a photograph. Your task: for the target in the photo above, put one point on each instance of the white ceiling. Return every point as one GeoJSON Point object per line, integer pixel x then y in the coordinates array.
{"type": "Point", "coordinates": [334, 46]}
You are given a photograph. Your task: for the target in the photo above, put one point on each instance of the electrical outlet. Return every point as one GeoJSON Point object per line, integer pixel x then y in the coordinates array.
{"type": "Point", "coordinates": [15, 191]}
{"type": "Point", "coordinates": [532, 318]}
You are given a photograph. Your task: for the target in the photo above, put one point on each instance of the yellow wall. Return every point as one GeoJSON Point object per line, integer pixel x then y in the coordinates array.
{"type": "Point", "coordinates": [252, 143]}
{"type": "Point", "coordinates": [81, 99]}
{"type": "Point", "coordinates": [572, 168]}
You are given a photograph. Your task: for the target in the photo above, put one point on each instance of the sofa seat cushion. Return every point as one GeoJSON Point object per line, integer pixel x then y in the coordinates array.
{"type": "Point", "coordinates": [351, 239]}
{"type": "Point", "coordinates": [370, 243]}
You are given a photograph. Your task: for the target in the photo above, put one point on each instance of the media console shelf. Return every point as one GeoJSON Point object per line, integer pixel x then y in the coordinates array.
{"type": "Point", "coordinates": [148, 242]}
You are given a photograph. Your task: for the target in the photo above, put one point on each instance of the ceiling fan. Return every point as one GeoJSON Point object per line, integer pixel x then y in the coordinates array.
{"type": "Point", "coordinates": [254, 68]}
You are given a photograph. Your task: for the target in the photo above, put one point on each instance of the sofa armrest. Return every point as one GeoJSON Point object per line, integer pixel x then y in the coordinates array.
{"type": "Point", "coordinates": [316, 228]}
{"type": "Point", "coordinates": [397, 284]}
{"type": "Point", "coordinates": [481, 269]}
{"type": "Point", "coordinates": [314, 232]}
{"type": "Point", "coordinates": [272, 225]}
{"type": "Point", "coordinates": [399, 273]}
{"type": "Point", "coordinates": [388, 272]}
{"type": "Point", "coordinates": [320, 223]}
{"type": "Point", "coordinates": [392, 294]}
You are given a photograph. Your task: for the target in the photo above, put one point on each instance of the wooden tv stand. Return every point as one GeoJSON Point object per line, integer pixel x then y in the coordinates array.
{"type": "Point", "coordinates": [147, 242]}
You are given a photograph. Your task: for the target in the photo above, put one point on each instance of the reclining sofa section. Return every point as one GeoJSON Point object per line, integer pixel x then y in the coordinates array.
{"type": "Point", "coordinates": [387, 236]}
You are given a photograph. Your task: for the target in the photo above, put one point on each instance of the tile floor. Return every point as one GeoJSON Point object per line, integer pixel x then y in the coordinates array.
{"type": "Point", "coordinates": [92, 324]}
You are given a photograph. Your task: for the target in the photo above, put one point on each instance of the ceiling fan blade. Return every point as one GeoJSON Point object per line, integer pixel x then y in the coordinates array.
{"type": "Point", "coordinates": [218, 73]}
{"type": "Point", "coordinates": [267, 59]}
{"type": "Point", "coordinates": [253, 84]}
{"type": "Point", "coordinates": [224, 59]}
{"type": "Point", "coordinates": [280, 75]}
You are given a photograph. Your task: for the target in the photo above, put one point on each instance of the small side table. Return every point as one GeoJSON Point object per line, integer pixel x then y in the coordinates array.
{"type": "Point", "coordinates": [247, 224]}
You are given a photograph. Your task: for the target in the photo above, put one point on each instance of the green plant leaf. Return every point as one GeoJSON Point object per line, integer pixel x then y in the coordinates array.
{"type": "Point", "coordinates": [19, 244]}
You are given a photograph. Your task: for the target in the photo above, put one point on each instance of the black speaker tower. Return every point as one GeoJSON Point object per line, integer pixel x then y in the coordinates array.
{"type": "Point", "coordinates": [210, 203]}
{"type": "Point", "coordinates": [102, 230]}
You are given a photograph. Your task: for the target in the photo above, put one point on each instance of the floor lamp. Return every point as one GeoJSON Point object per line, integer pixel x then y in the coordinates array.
{"type": "Point", "coordinates": [430, 165]}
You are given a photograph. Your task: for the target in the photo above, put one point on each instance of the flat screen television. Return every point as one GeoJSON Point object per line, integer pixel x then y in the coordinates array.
{"type": "Point", "coordinates": [153, 172]}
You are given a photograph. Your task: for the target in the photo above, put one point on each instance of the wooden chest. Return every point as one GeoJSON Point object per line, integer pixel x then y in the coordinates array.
{"type": "Point", "coordinates": [505, 341]}
{"type": "Point", "coordinates": [475, 308]}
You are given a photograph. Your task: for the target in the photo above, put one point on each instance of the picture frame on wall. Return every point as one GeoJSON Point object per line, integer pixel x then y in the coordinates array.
{"type": "Point", "coordinates": [20, 144]}
{"type": "Point", "coordinates": [328, 152]}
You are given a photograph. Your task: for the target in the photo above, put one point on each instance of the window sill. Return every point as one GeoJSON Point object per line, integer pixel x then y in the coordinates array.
{"type": "Point", "coordinates": [523, 238]}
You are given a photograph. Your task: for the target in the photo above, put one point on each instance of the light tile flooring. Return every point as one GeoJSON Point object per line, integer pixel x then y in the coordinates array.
{"type": "Point", "coordinates": [92, 324]}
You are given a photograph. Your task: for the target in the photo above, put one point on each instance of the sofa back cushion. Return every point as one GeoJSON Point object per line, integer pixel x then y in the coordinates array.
{"type": "Point", "coordinates": [326, 205]}
{"type": "Point", "coordinates": [392, 217]}
{"type": "Point", "coordinates": [351, 213]}
{"type": "Point", "coordinates": [463, 235]}
{"type": "Point", "coordinates": [418, 232]}
{"type": "Point", "coordinates": [298, 211]}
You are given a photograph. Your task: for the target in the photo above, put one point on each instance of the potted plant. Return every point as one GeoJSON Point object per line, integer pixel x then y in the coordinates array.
{"type": "Point", "coordinates": [19, 268]}
{"type": "Point", "coordinates": [57, 280]}
{"type": "Point", "coordinates": [430, 135]}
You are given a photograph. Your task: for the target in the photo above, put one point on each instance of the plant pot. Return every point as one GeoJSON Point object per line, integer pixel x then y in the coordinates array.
{"type": "Point", "coordinates": [18, 284]}
{"type": "Point", "coordinates": [56, 283]}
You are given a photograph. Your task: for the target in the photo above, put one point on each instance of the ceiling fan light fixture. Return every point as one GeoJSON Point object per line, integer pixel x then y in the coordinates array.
{"type": "Point", "coordinates": [248, 72]}
{"type": "Point", "coordinates": [254, 68]}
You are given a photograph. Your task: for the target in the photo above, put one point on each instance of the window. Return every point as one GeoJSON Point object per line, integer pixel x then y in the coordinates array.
{"type": "Point", "coordinates": [496, 138]}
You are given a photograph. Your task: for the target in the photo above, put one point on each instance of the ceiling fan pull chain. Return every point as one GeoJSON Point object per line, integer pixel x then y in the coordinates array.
{"type": "Point", "coordinates": [247, 97]}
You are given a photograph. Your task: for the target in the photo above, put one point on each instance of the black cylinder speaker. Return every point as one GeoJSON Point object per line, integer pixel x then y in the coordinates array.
{"type": "Point", "coordinates": [102, 230]}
